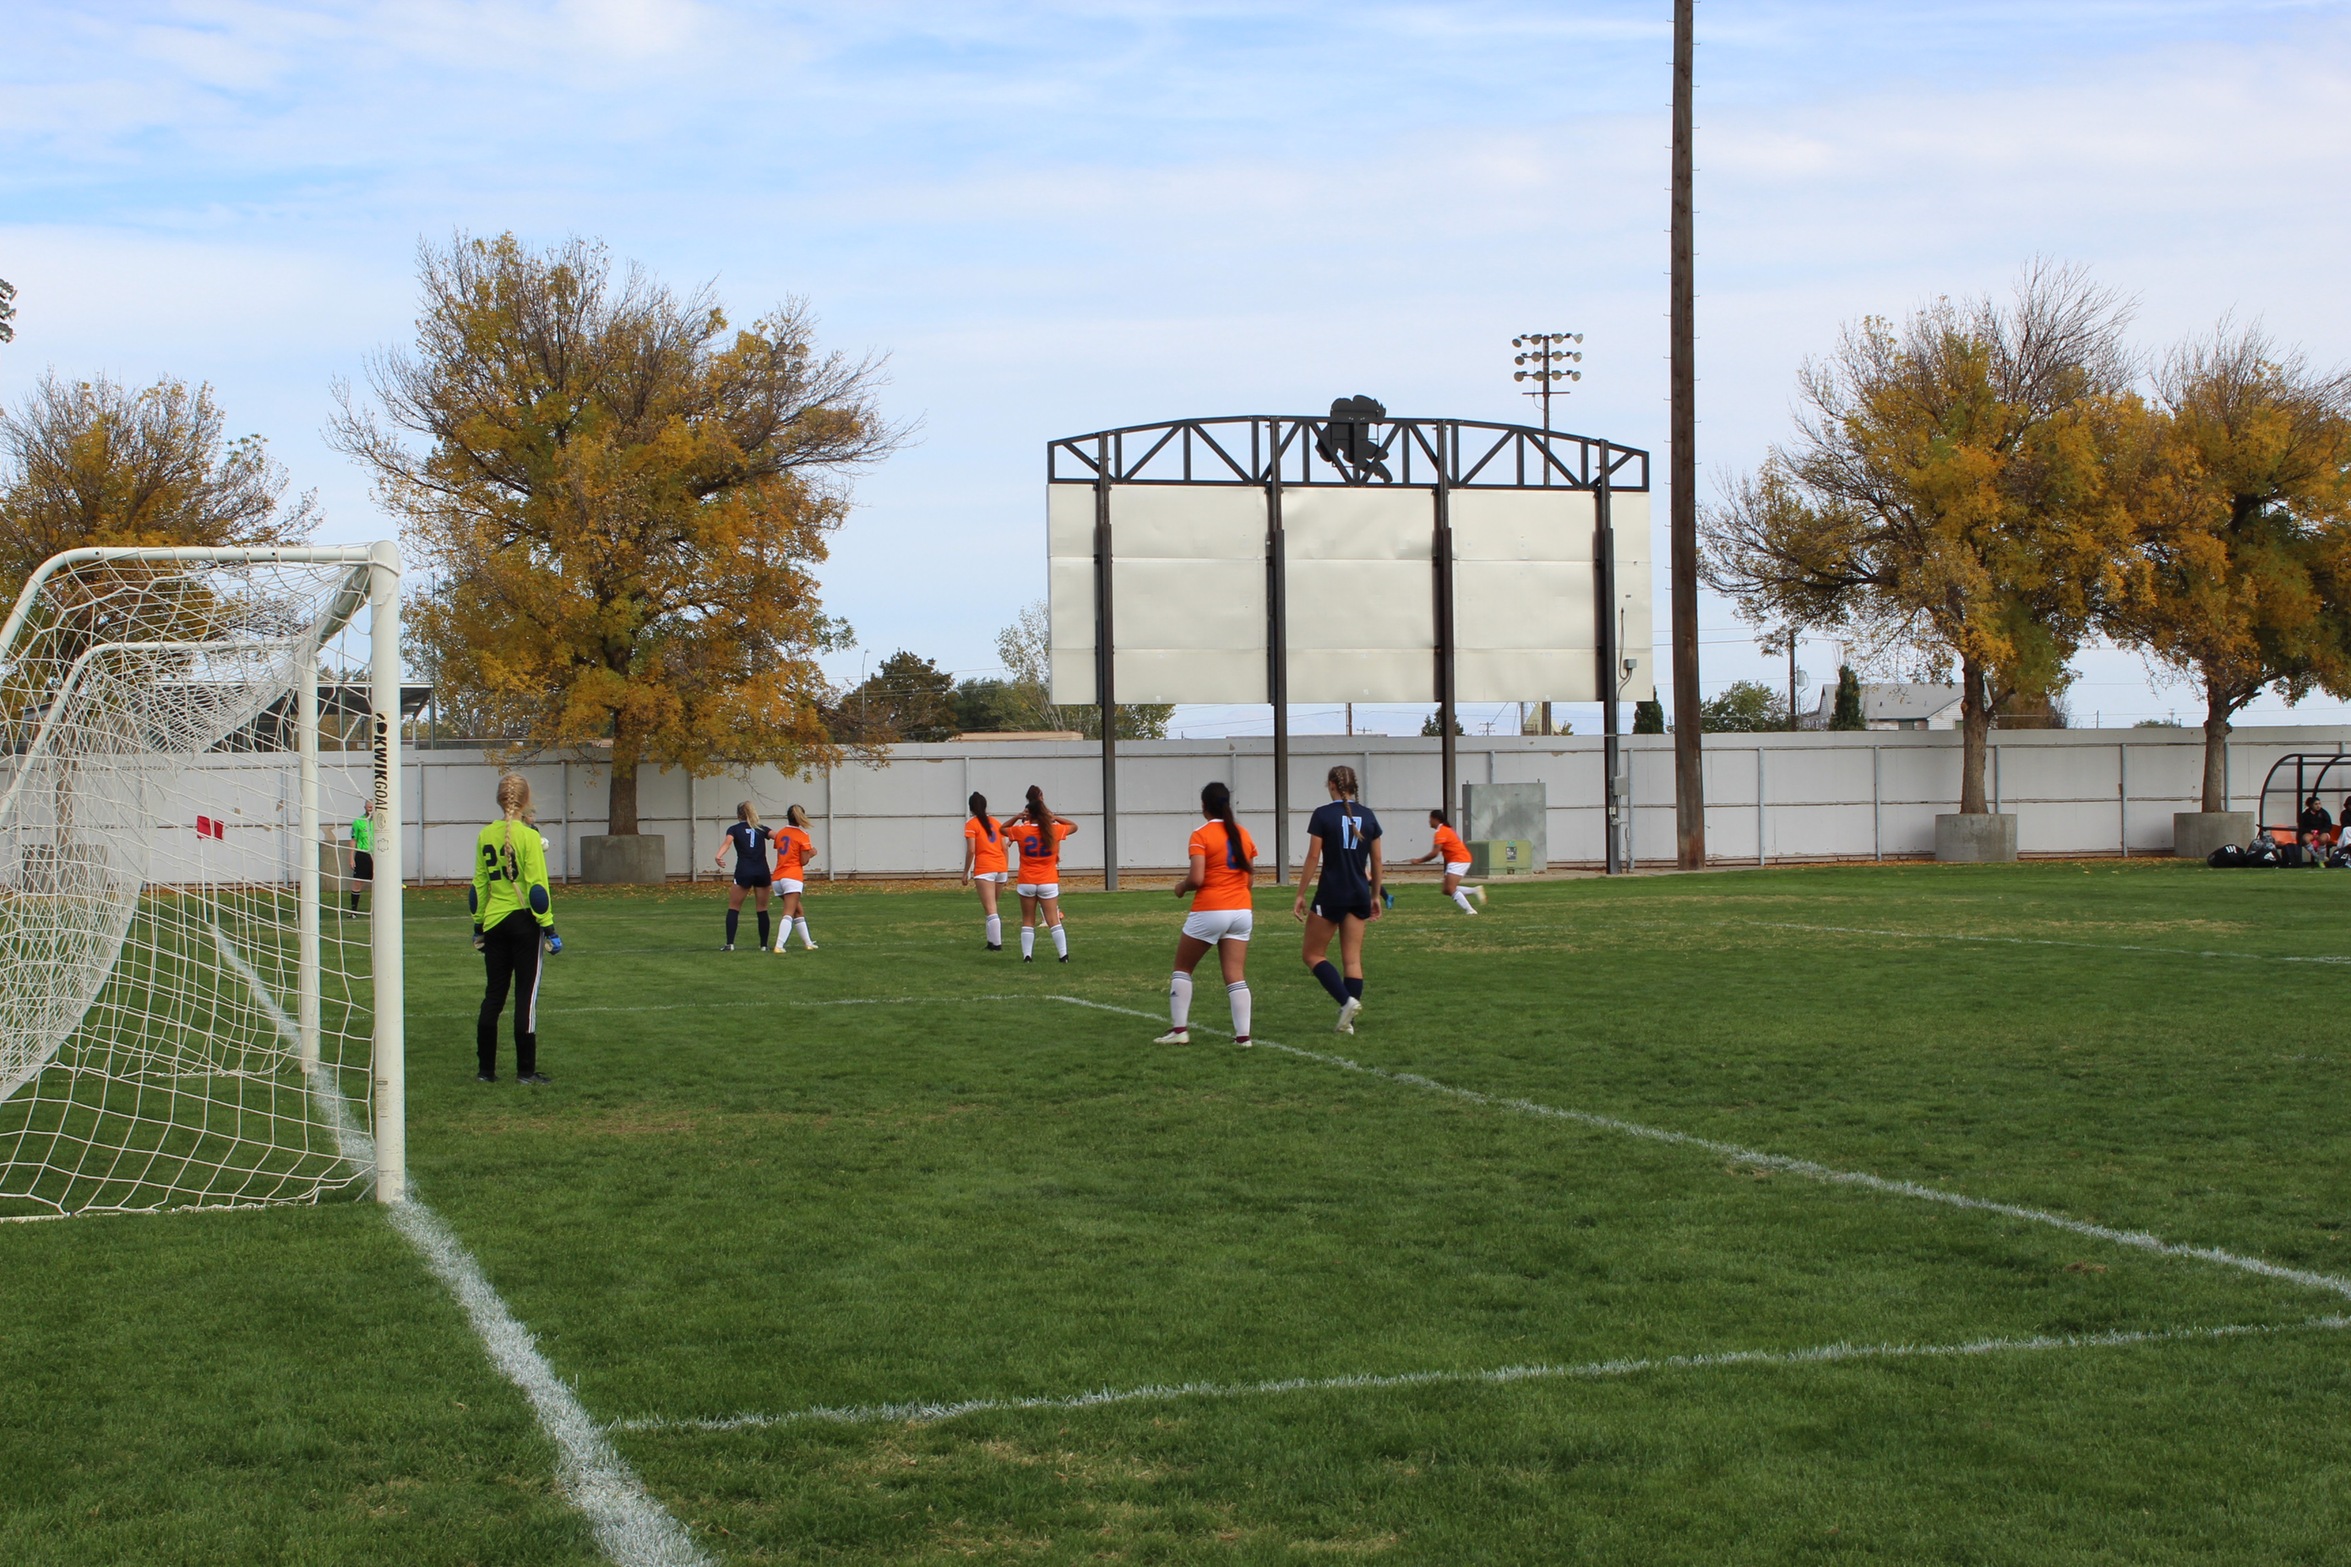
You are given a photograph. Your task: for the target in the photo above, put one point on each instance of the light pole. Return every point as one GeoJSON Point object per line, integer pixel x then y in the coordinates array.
{"type": "Point", "coordinates": [1546, 352]}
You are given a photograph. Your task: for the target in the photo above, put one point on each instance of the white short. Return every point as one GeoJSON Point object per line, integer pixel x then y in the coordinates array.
{"type": "Point", "coordinates": [991, 875]}
{"type": "Point", "coordinates": [1215, 925]}
{"type": "Point", "coordinates": [1457, 867]}
{"type": "Point", "coordinates": [785, 884]}
{"type": "Point", "coordinates": [1039, 889]}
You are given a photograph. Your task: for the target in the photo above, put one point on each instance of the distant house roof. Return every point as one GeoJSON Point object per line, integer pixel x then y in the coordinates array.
{"type": "Point", "coordinates": [1901, 704]}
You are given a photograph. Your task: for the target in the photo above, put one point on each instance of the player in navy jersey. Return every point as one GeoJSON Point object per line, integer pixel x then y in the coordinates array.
{"type": "Point", "coordinates": [749, 840]}
{"type": "Point", "coordinates": [1343, 843]}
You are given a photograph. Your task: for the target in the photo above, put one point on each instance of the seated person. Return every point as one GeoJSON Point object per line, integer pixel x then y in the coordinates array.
{"type": "Point", "coordinates": [2316, 822]}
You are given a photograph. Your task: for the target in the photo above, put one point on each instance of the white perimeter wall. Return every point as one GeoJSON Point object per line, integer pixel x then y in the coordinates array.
{"type": "Point", "coordinates": [1785, 796]}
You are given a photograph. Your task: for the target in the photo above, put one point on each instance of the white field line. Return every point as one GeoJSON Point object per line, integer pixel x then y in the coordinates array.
{"type": "Point", "coordinates": [2042, 941]}
{"type": "Point", "coordinates": [731, 1006]}
{"type": "Point", "coordinates": [633, 1529]}
{"type": "Point", "coordinates": [1592, 1371]}
{"type": "Point", "coordinates": [2138, 1239]}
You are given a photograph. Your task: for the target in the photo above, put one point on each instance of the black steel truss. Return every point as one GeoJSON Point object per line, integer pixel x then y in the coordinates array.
{"type": "Point", "coordinates": [1257, 449]}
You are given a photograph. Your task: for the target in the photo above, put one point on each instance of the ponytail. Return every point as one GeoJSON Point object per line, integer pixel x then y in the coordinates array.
{"type": "Point", "coordinates": [1037, 810]}
{"type": "Point", "coordinates": [795, 816]}
{"type": "Point", "coordinates": [1217, 800]}
{"type": "Point", "coordinates": [1342, 778]}
{"type": "Point", "coordinates": [747, 814]}
{"type": "Point", "coordinates": [514, 802]}
{"type": "Point", "coordinates": [979, 810]}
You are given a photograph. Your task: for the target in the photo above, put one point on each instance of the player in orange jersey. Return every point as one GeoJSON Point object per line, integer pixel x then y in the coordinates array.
{"type": "Point", "coordinates": [1037, 834]}
{"type": "Point", "coordinates": [1454, 854]}
{"type": "Point", "coordinates": [1224, 858]}
{"type": "Point", "coordinates": [983, 864]}
{"type": "Point", "coordinates": [794, 854]}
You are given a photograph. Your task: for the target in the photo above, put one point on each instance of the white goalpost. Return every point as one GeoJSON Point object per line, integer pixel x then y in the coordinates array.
{"type": "Point", "coordinates": [200, 1002]}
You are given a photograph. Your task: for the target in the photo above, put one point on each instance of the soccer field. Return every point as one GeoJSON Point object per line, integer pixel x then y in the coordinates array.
{"type": "Point", "coordinates": [1893, 1214]}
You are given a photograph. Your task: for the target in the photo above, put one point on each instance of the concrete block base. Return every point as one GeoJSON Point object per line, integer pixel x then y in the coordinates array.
{"type": "Point", "coordinates": [2195, 834]}
{"type": "Point", "coordinates": [1975, 840]}
{"type": "Point", "coordinates": [638, 861]}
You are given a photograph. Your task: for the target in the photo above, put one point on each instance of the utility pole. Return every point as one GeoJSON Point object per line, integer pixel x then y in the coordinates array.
{"type": "Point", "coordinates": [1689, 788]}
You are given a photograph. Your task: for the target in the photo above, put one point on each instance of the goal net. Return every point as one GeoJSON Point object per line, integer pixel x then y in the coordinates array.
{"type": "Point", "coordinates": [193, 1004]}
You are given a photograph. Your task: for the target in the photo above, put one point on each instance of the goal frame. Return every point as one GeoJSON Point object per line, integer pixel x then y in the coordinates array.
{"type": "Point", "coordinates": [388, 1040]}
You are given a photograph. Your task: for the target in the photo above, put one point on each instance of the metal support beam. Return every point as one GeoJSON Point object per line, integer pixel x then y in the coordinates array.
{"type": "Point", "coordinates": [1277, 668]}
{"type": "Point", "coordinates": [1609, 676]}
{"type": "Point", "coordinates": [1105, 694]}
{"type": "Point", "coordinates": [1441, 554]}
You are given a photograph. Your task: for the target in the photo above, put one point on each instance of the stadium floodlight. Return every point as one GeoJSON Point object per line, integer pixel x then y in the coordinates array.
{"type": "Point", "coordinates": [1549, 354]}
{"type": "Point", "coordinates": [189, 1016]}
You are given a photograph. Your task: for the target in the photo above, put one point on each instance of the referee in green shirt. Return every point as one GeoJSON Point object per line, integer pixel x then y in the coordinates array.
{"type": "Point", "coordinates": [363, 854]}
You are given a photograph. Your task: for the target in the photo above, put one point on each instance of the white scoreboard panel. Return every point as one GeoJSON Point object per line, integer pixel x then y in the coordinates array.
{"type": "Point", "coordinates": [1188, 584]}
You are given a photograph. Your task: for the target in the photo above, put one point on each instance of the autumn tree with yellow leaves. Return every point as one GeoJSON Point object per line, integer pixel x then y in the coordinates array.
{"type": "Point", "coordinates": [1960, 485]}
{"type": "Point", "coordinates": [619, 503]}
{"type": "Point", "coordinates": [2245, 531]}
{"type": "Point", "coordinates": [96, 463]}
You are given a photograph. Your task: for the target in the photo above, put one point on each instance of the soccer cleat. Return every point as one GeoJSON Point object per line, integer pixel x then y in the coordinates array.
{"type": "Point", "coordinates": [778, 949]}
{"type": "Point", "coordinates": [485, 1077]}
{"type": "Point", "coordinates": [1347, 1011]}
{"type": "Point", "coordinates": [1480, 894]}
{"type": "Point", "coordinates": [534, 1077]}
{"type": "Point", "coordinates": [1242, 1040]}
{"type": "Point", "coordinates": [1065, 957]}
{"type": "Point", "coordinates": [995, 946]}
{"type": "Point", "coordinates": [729, 947]}
{"type": "Point", "coordinates": [808, 946]}
{"type": "Point", "coordinates": [1025, 958]}
{"type": "Point", "coordinates": [1174, 1036]}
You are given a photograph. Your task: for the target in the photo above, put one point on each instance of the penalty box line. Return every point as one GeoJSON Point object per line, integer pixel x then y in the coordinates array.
{"type": "Point", "coordinates": [631, 1527]}
{"type": "Point", "coordinates": [926, 1413]}
{"type": "Point", "coordinates": [1810, 1170]}
{"type": "Point", "coordinates": [2045, 941]}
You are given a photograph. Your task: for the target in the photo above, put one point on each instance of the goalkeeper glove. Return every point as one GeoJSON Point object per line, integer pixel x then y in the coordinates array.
{"type": "Point", "coordinates": [554, 942]}
{"type": "Point", "coordinates": [480, 942]}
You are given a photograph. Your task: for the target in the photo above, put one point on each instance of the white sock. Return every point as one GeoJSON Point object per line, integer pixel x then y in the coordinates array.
{"type": "Point", "coordinates": [801, 925]}
{"type": "Point", "coordinates": [1179, 999]}
{"type": "Point", "coordinates": [1461, 897]}
{"type": "Point", "coordinates": [995, 931]}
{"type": "Point", "coordinates": [1060, 941]}
{"type": "Point", "coordinates": [1028, 941]}
{"type": "Point", "coordinates": [1238, 994]}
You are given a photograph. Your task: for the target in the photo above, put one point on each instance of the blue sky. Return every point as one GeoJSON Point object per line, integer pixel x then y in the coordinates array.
{"type": "Point", "coordinates": [1056, 217]}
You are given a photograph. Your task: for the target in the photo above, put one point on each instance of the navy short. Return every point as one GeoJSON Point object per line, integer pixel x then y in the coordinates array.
{"type": "Point", "coordinates": [1334, 911]}
{"type": "Point", "coordinates": [742, 880]}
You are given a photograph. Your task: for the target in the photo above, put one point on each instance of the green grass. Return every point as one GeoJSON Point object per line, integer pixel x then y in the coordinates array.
{"type": "Point", "coordinates": [734, 1200]}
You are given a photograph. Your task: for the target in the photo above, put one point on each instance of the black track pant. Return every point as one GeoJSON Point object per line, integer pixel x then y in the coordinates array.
{"type": "Point", "coordinates": [512, 956]}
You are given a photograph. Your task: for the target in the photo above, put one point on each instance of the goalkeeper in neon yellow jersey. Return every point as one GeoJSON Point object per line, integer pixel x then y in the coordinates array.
{"type": "Point", "coordinates": [512, 916]}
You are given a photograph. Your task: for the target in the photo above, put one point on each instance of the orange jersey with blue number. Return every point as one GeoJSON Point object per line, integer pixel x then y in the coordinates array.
{"type": "Point", "coordinates": [1450, 849]}
{"type": "Point", "coordinates": [1224, 879]}
{"type": "Point", "coordinates": [792, 851]}
{"type": "Point", "coordinates": [987, 844]}
{"type": "Point", "coordinates": [1040, 851]}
